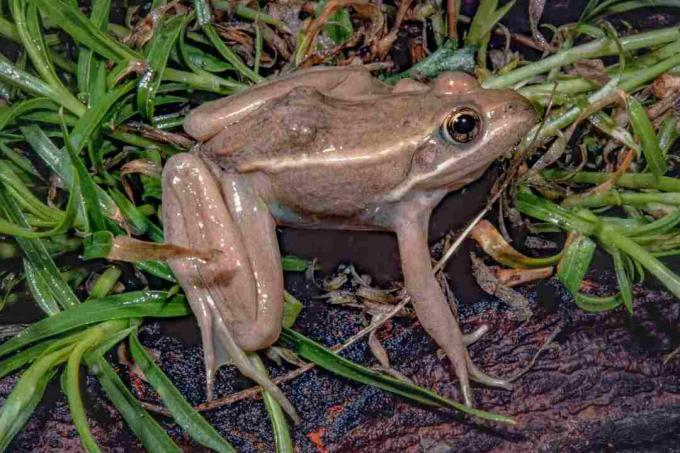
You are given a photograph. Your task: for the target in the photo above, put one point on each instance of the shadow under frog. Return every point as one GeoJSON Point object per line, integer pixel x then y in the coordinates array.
{"type": "Point", "coordinates": [330, 148]}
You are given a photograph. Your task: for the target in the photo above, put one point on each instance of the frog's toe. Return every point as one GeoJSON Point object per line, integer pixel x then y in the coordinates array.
{"type": "Point", "coordinates": [473, 337]}
{"type": "Point", "coordinates": [479, 376]}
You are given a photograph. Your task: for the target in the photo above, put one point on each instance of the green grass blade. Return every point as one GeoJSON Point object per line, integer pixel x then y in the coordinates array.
{"type": "Point", "coordinates": [91, 121]}
{"type": "Point", "coordinates": [182, 412]}
{"type": "Point", "coordinates": [547, 211]}
{"type": "Point", "coordinates": [67, 16]}
{"type": "Point", "coordinates": [152, 435]}
{"type": "Point", "coordinates": [8, 114]}
{"type": "Point", "coordinates": [21, 358]}
{"type": "Point", "coordinates": [157, 58]}
{"type": "Point", "coordinates": [88, 187]}
{"type": "Point", "coordinates": [645, 133]}
{"type": "Point", "coordinates": [575, 262]}
{"type": "Point", "coordinates": [282, 439]}
{"type": "Point", "coordinates": [26, 394]}
{"type": "Point", "coordinates": [64, 224]}
{"type": "Point", "coordinates": [88, 66]}
{"type": "Point", "coordinates": [667, 277]}
{"type": "Point", "coordinates": [40, 290]}
{"type": "Point", "coordinates": [93, 337]}
{"type": "Point", "coordinates": [57, 160]}
{"type": "Point", "coordinates": [625, 286]}
{"type": "Point", "coordinates": [136, 304]}
{"type": "Point", "coordinates": [229, 55]}
{"type": "Point", "coordinates": [36, 253]}
{"type": "Point", "coordinates": [314, 352]}
{"type": "Point", "coordinates": [14, 76]}
{"type": "Point", "coordinates": [28, 26]}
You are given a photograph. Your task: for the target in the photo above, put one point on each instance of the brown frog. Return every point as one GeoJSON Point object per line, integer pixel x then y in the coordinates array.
{"type": "Point", "coordinates": [325, 148]}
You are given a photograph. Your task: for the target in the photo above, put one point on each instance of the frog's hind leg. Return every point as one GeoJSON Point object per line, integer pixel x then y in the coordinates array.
{"type": "Point", "coordinates": [222, 290]}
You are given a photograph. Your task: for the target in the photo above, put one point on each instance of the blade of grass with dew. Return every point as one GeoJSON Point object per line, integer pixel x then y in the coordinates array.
{"type": "Point", "coordinates": [547, 211]}
{"type": "Point", "coordinates": [26, 394]}
{"type": "Point", "coordinates": [20, 359]}
{"type": "Point", "coordinates": [67, 16]}
{"type": "Point", "coordinates": [645, 133]}
{"type": "Point", "coordinates": [89, 123]}
{"type": "Point", "coordinates": [314, 352]}
{"type": "Point", "coordinates": [153, 436]}
{"type": "Point", "coordinates": [33, 85]}
{"type": "Point", "coordinates": [26, 20]}
{"type": "Point", "coordinates": [8, 114]}
{"type": "Point", "coordinates": [92, 338]}
{"type": "Point", "coordinates": [625, 286]}
{"type": "Point", "coordinates": [135, 304]}
{"type": "Point", "coordinates": [23, 195]}
{"type": "Point", "coordinates": [39, 289]}
{"type": "Point", "coordinates": [182, 412]}
{"type": "Point", "coordinates": [36, 253]}
{"type": "Point", "coordinates": [21, 162]}
{"type": "Point", "coordinates": [282, 439]}
{"type": "Point", "coordinates": [667, 277]}
{"type": "Point", "coordinates": [88, 187]}
{"type": "Point", "coordinates": [576, 257]}
{"type": "Point", "coordinates": [88, 65]}
{"type": "Point", "coordinates": [156, 59]}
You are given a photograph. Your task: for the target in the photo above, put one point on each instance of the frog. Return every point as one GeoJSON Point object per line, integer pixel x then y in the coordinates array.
{"type": "Point", "coordinates": [326, 148]}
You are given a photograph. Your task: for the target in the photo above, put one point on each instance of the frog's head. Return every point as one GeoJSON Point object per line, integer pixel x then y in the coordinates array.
{"type": "Point", "coordinates": [473, 127]}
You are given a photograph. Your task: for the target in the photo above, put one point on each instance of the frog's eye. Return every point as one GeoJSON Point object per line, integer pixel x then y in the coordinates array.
{"type": "Point", "coordinates": [461, 126]}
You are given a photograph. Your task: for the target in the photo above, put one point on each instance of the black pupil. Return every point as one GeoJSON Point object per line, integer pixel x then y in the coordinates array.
{"type": "Point", "coordinates": [464, 124]}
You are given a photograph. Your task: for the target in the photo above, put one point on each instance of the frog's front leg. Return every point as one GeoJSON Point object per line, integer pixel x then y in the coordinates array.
{"type": "Point", "coordinates": [430, 303]}
{"type": "Point", "coordinates": [237, 297]}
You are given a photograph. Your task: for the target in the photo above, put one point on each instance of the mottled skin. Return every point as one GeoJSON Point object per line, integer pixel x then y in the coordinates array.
{"type": "Point", "coordinates": [324, 148]}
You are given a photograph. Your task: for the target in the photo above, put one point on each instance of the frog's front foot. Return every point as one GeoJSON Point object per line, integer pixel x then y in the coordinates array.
{"type": "Point", "coordinates": [432, 308]}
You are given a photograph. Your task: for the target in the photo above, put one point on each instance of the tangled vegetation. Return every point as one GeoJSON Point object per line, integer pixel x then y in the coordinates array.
{"type": "Point", "coordinates": [93, 98]}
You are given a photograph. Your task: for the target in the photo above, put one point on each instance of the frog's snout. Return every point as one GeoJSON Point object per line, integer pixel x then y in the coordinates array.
{"type": "Point", "coordinates": [517, 108]}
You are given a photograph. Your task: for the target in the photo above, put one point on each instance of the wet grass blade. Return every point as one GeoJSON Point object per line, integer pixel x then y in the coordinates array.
{"type": "Point", "coordinates": [26, 394]}
{"type": "Point", "coordinates": [36, 253]}
{"type": "Point", "coordinates": [57, 160]}
{"type": "Point", "coordinates": [24, 81]}
{"type": "Point", "coordinates": [152, 435]}
{"type": "Point", "coordinates": [282, 439]}
{"type": "Point", "coordinates": [156, 59]}
{"type": "Point", "coordinates": [8, 114]}
{"type": "Point", "coordinates": [26, 20]}
{"type": "Point", "coordinates": [20, 359]}
{"type": "Point", "coordinates": [67, 16]}
{"type": "Point", "coordinates": [39, 289]}
{"type": "Point", "coordinates": [645, 133]}
{"type": "Point", "coordinates": [576, 257]}
{"type": "Point", "coordinates": [183, 413]}
{"type": "Point", "coordinates": [88, 66]}
{"type": "Point", "coordinates": [136, 304]}
{"type": "Point", "coordinates": [88, 187]}
{"type": "Point", "coordinates": [229, 55]}
{"type": "Point", "coordinates": [91, 121]}
{"type": "Point", "coordinates": [547, 211]}
{"type": "Point", "coordinates": [90, 340]}
{"type": "Point", "coordinates": [314, 352]}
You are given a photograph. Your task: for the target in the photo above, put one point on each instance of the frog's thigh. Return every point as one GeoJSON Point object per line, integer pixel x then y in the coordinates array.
{"type": "Point", "coordinates": [258, 236]}
{"type": "Point", "coordinates": [222, 291]}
